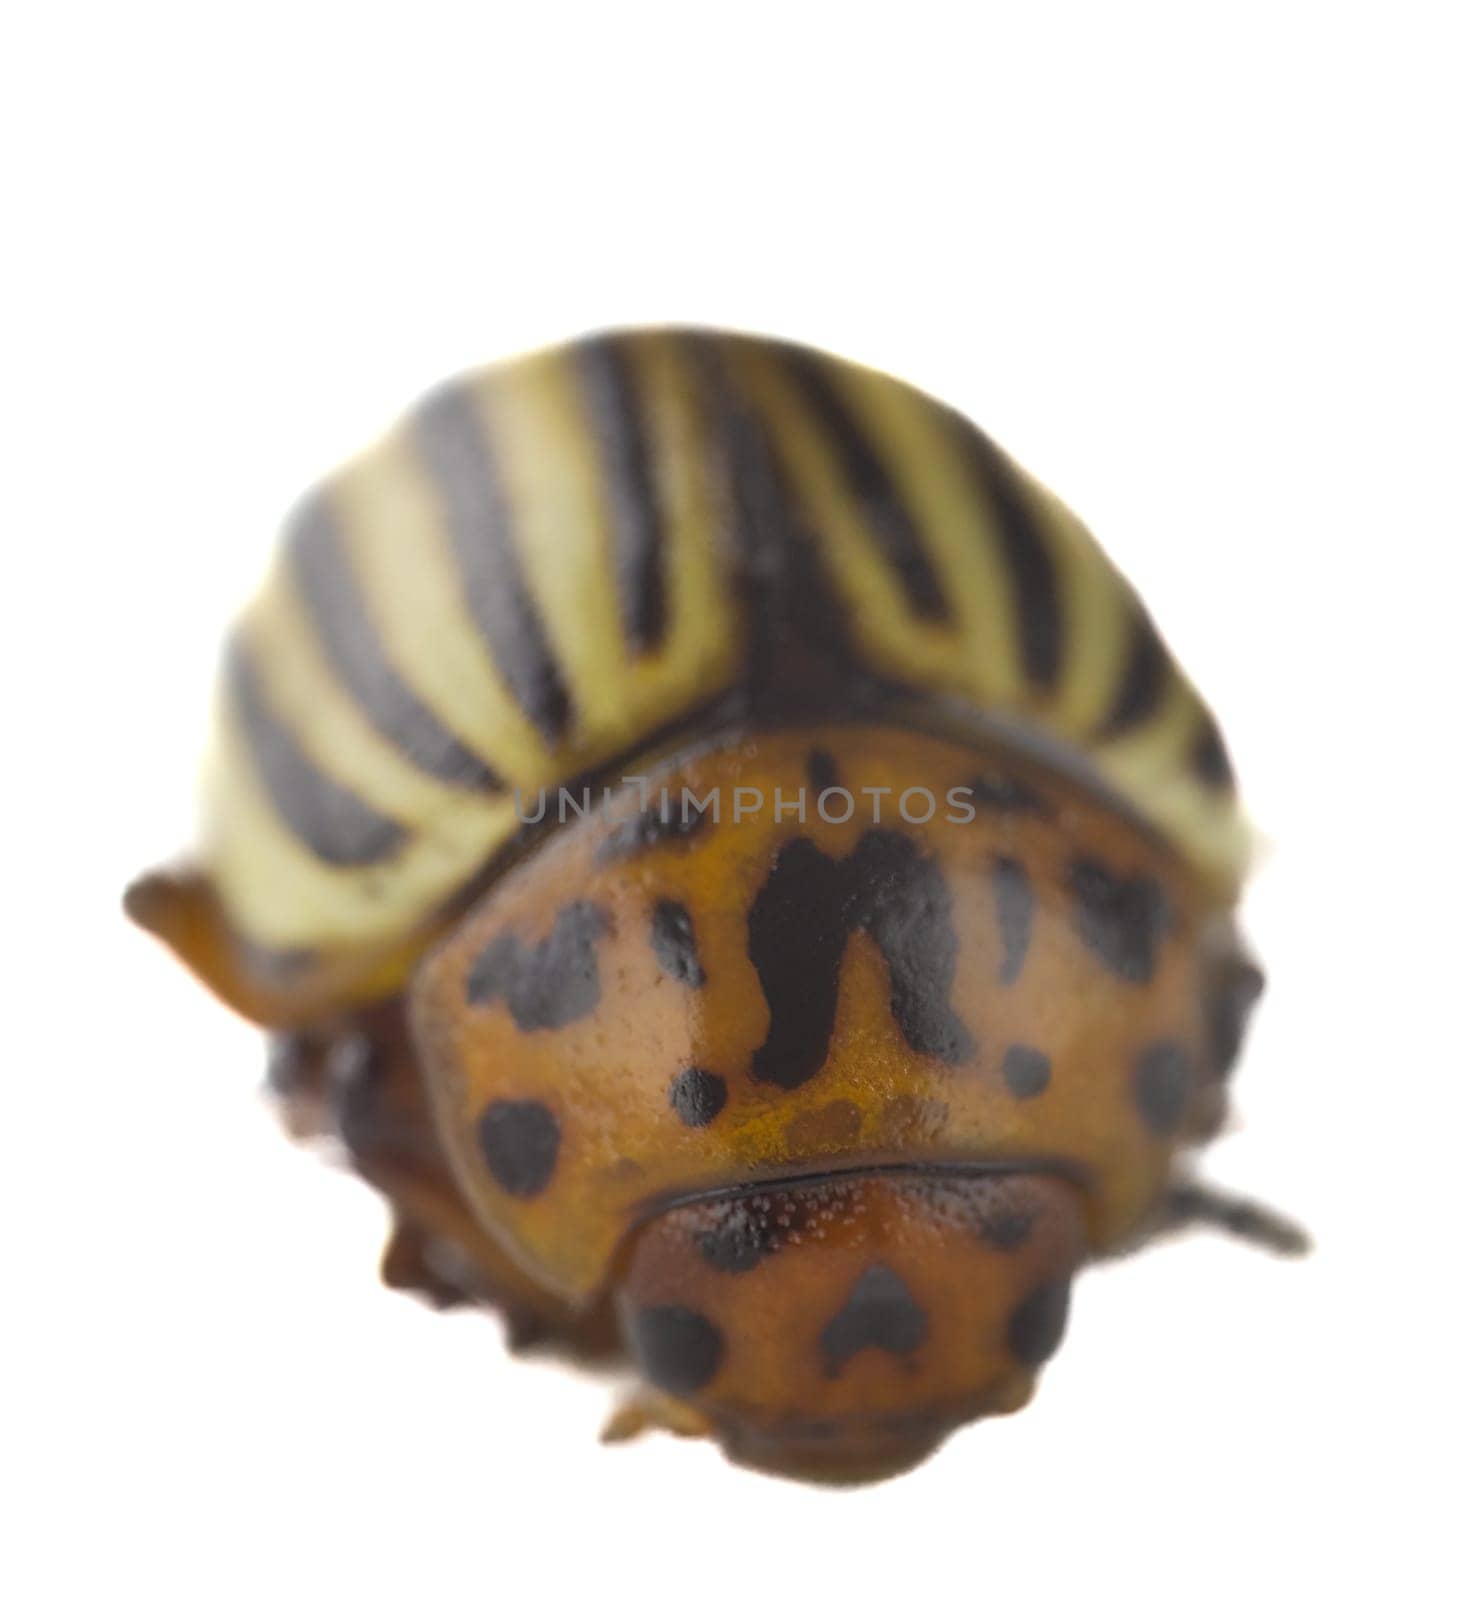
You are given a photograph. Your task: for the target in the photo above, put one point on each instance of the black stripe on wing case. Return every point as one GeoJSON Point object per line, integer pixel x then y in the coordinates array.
{"type": "Point", "coordinates": [1022, 541]}
{"type": "Point", "coordinates": [1146, 676]}
{"type": "Point", "coordinates": [801, 657]}
{"type": "Point", "coordinates": [335, 823]}
{"type": "Point", "coordinates": [1210, 758]}
{"type": "Point", "coordinates": [889, 522]}
{"type": "Point", "coordinates": [451, 438]}
{"type": "Point", "coordinates": [610, 389]}
{"type": "Point", "coordinates": [348, 633]}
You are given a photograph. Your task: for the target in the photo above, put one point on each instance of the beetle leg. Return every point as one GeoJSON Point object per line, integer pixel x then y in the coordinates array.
{"type": "Point", "coordinates": [1187, 1204]}
{"type": "Point", "coordinates": [413, 1262]}
{"type": "Point", "coordinates": [644, 1409]}
{"type": "Point", "coordinates": [358, 1088]}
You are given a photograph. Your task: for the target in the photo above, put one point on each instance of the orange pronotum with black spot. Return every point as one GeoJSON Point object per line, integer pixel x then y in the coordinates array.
{"type": "Point", "coordinates": [883, 988]}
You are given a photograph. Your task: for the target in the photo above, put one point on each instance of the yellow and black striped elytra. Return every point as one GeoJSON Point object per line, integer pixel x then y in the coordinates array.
{"type": "Point", "coordinates": [554, 563]}
{"type": "Point", "coordinates": [347, 633]}
{"type": "Point", "coordinates": [818, 1100]}
{"type": "Point", "coordinates": [453, 446]}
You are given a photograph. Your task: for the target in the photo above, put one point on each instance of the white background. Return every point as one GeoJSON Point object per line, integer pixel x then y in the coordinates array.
{"type": "Point", "coordinates": [1212, 271]}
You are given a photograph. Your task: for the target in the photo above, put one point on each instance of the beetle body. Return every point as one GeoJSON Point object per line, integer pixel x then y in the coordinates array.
{"type": "Point", "coordinates": [737, 866]}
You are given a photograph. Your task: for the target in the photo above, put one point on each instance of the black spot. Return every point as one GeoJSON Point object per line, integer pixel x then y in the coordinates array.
{"type": "Point", "coordinates": [698, 1096]}
{"type": "Point", "coordinates": [1234, 988]}
{"type": "Point", "coordinates": [1038, 1323]}
{"type": "Point", "coordinates": [1013, 902]}
{"type": "Point", "coordinates": [1161, 1086]}
{"type": "Point", "coordinates": [673, 938]}
{"type": "Point", "coordinates": [823, 772]}
{"type": "Point", "coordinates": [549, 984]}
{"type": "Point", "coordinates": [1026, 1071]}
{"type": "Point", "coordinates": [750, 1228]}
{"type": "Point", "coordinates": [660, 821]}
{"type": "Point", "coordinates": [796, 933]}
{"type": "Point", "coordinates": [1007, 1223]}
{"type": "Point", "coordinates": [676, 1348]}
{"type": "Point", "coordinates": [1119, 919]}
{"type": "Point", "coordinates": [798, 927]}
{"type": "Point", "coordinates": [881, 1314]}
{"type": "Point", "coordinates": [997, 791]}
{"type": "Point", "coordinates": [902, 901]}
{"type": "Point", "coordinates": [520, 1140]}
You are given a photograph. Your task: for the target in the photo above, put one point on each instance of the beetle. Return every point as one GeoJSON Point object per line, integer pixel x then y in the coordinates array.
{"type": "Point", "coordinates": [724, 851]}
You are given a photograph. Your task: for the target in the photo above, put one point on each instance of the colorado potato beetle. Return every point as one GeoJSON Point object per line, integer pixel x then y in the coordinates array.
{"type": "Point", "coordinates": [726, 853]}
